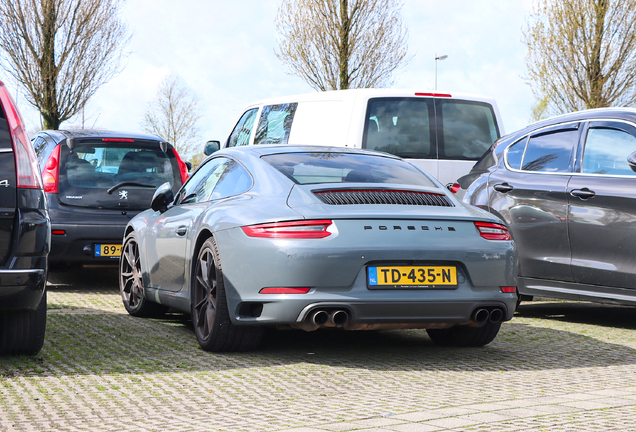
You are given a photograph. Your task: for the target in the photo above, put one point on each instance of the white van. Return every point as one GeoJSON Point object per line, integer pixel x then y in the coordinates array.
{"type": "Point", "coordinates": [441, 132]}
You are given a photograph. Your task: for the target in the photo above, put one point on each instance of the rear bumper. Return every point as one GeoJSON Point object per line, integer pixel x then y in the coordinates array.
{"type": "Point", "coordinates": [76, 245]}
{"type": "Point", "coordinates": [21, 289]}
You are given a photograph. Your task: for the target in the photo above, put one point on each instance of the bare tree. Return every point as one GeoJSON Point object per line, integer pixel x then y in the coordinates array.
{"type": "Point", "coordinates": [341, 44]}
{"type": "Point", "coordinates": [173, 115]}
{"type": "Point", "coordinates": [582, 53]}
{"type": "Point", "coordinates": [61, 51]}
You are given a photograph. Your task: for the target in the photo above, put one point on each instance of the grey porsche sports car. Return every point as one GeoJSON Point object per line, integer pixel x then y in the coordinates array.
{"type": "Point", "coordinates": [312, 237]}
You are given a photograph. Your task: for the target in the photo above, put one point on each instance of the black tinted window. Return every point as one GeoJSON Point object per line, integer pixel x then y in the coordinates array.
{"type": "Point", "coordinates": [550, 152]}
{"type": "Point", "coordinates": [275, 124]}
{"type": "Point", "coordinates": [312, 168]}
{"type": "Point", "coordinates": [469, 129]}
{"type": "Point", "coordinates": [99, 166]}
{"type": "Point", "coordinates": [400, 126]}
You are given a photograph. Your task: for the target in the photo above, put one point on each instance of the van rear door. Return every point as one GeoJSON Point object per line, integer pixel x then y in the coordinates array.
{"type": "Point", "coordinates": [465, 131]}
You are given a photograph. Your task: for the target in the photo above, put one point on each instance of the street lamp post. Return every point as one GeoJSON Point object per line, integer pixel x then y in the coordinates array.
{"type": "Point", "coordinates": [442, 57]}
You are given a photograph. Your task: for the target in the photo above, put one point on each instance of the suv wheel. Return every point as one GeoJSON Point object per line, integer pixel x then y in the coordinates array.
{"type": "Point", "coordinates": [22, 332]}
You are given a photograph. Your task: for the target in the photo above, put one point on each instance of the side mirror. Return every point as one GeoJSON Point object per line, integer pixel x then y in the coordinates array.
{"type": "Point", "coordinates": [631, 161]}
{"type": "Point", "coordinates": [162, 197]}
{"type": "Point", "coordinates": [189, 165]}
{"type": "Point", "coordinates": [211, 147]}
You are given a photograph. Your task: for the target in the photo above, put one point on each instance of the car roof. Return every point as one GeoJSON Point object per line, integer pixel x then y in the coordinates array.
{"type": "Point", "coordinates": [591, 114]}
{"type": "Point", "coordinates": [268, 149]}
{"type": "Point", "coordinates": [369, 93]}
{"type": "Point", "coordinates": [60, 135]}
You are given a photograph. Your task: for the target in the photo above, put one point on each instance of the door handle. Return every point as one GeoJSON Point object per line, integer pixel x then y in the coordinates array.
{"type": "Point", "coordinates": [182, 230]}
{"type": "Point", "coordinates": [583, 194]}
{"type": "Point", "coordinates": [503, 187]}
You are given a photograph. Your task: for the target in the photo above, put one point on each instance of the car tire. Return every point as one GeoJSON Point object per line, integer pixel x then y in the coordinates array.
{"type": "Point", "coordinates": [465, 336]}
{"type": "Point", "coordinates": [22, 332]}
{"type": "Point", "coordinates": [131, 284]}
{"type": "Point", "coordinates": [210, 315]}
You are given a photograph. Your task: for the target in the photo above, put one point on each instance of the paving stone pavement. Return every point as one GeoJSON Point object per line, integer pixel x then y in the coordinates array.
{"type": "Point", "coordinates": [555, 367]}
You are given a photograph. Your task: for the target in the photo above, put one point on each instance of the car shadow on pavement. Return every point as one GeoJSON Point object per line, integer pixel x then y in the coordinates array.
{"type": "Point", "coordinates": [107, 343]}
{"type": "Point", "coordinates": [615, 316]}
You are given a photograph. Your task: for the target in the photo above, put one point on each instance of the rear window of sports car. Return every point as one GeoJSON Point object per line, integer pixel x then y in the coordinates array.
{"type": "Point", "coordinates": [314, 168]}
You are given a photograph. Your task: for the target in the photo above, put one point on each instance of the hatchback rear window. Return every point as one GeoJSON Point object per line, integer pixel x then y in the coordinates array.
{"type": "Point", "coordinates": [131, 172]}
{"type": "Point", "coordinates": [96, 166]}
{"type": "Point", "coordinates": [313, 168]}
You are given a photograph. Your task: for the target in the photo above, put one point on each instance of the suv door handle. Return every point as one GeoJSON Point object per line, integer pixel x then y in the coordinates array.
{"type": "Point", "coordinates": [182, 230]}
{"type": "Point", "coordinates": [583, 194]}
{"type": "Point", "coordinates": [503, 187]}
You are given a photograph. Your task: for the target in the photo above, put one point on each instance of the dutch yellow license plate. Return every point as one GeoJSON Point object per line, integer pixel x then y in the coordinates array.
{"type": "Point", "coordinates": [412, 277]}
{"type": "Point", "coordinates": [107, 250]}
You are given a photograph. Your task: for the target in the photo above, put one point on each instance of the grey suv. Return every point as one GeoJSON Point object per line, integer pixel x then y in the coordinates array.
{"type": "Point", "coordinates": [566, 187]}
{"type": "Point", "coordinates": [25, 237]}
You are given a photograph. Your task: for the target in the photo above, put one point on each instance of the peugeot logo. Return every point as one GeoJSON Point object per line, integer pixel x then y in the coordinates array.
{"type": "Point", "coordinates": [123, 194]}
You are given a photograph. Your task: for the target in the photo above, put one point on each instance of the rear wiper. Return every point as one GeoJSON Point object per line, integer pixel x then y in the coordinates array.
{"type": "Point", "coordinates": [128, 183]}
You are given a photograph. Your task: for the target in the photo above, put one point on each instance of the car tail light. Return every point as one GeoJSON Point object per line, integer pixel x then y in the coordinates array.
{"type": "Point", "coordinates": [126, 140]}
{"type": "Point", "coordinates": [433, 94]}
{"type": "Point", "coordinates": [284, 290]}
{"type": "Point", "coordinates": [51, 172]}
{"type": "Point", "coordinates": [183, 169]}
{"type": "Point", "coordinates": [455, 187]}
{"type": "Point", "coordinates": [508, 289]}
{"type": "Point", "coordinates": [492, 231]}
{"type": "Point", "coordinates": [27, 172]}
{"type": "Point", "coordinates": [298, 229]}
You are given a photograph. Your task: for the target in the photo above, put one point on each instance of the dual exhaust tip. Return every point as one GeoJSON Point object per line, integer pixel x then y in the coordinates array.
{"type": "Point", "coordinates": [481, 316]}
{"type": "Point", "coordinates": [336, 318]}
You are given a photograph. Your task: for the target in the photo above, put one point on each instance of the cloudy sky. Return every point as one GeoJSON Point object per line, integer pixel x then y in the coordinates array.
{"type": "Point", "coordinates": [224, 51]}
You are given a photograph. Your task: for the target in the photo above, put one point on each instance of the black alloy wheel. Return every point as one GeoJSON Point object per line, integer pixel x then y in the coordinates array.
{"type": "Point", "coordinates": [210, 316]}
{"type": "Point", "coordinates": [131, 285]}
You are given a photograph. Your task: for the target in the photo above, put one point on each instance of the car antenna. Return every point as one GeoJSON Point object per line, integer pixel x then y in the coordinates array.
{"type": "Point", "coordinates": [70, 143]}
{"type": "Point", "coordinates": [164, 146]}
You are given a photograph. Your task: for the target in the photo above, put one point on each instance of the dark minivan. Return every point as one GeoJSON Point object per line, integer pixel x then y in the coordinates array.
{"type": "Point", "coordinates": [566, 187]}
{"type": "Point", "coordinates": [95, 182]}
{"type": "Point", "coordinates": [25, 237]}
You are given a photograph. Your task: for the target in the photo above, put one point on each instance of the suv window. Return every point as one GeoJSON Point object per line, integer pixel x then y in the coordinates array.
{"type": "Point", "coordinates": [275, 124]}
{"type": "Point", "coordinates": [606, 151]}
{"type": "Point", "coordinates": [514, 154]}
{"type": "Point", "coordinates": [551, 151]}
{"type": "Point", "coordinates": [468, 129]}
{"type": "Point", "coordinates": [240, 136]}
{"type": "Point", "coordinates": [312, 168]}
{"type": "Point", "coordinates": [400, 126]}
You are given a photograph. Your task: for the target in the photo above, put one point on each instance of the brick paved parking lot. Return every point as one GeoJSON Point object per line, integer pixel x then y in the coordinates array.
{"type": "Point", "coordinates": [556, 366]}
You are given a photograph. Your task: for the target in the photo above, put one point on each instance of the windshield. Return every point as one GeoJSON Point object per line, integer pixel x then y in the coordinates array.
{"type": "Point", "coordinates": [313, 168]}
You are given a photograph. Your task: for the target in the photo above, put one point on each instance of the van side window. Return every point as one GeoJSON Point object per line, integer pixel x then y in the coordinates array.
{"type": "Point", "coordinates": [275, 124]}
{"type": "Point", "coordinates": [240, 136]}
{"type": "Point", "coordinates": [468, 129]}
{"type": "Point", "coordinates": [400, 126]}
